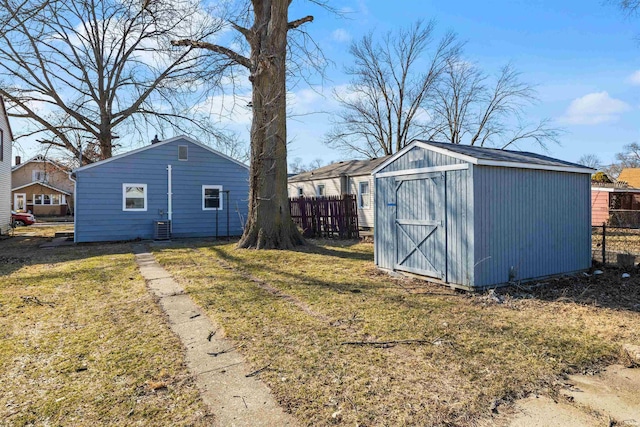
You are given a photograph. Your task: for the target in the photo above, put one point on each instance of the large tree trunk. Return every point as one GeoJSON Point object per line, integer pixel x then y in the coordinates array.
{"type": "Point", "coordinates": [269, 224]}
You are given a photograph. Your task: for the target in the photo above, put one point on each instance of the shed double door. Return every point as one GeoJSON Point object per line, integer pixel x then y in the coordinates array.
{"type": "Point", "coordinates": [420, 224]}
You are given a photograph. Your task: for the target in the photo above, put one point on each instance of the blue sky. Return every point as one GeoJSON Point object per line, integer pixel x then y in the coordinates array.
{"type": "Point", "coordinates": [583, 57]}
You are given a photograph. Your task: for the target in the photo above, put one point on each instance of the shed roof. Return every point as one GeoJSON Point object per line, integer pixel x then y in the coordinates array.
{"type": "Point", "coordinates": [349, 167]}
{"type": "Point", "coordinates": [493, 157]}
{"type": "Point", "coordinates": [631, 176]}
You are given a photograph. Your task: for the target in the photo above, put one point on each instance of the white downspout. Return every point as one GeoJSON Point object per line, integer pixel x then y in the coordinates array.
{"type": "Point", "coordinates": [169, 199]}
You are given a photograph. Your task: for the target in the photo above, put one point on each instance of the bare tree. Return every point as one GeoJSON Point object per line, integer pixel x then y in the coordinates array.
{"type": "Point", "coordinates": [297, 166]}
{"type": "Point", "coordinates": [385, 106]}
{"type": "Point", "coordinates": [468, 109]}
{"type": "Point", "coordinates": [85, 71]}
{"type": "Point", "coordinates": [590, 161]}
{"type": "Point", "coordinates": [628, 158]}
{"type": "Point", "coordinates": [404, 87]}
{"type": "Point", "coordinates": [269, 223]}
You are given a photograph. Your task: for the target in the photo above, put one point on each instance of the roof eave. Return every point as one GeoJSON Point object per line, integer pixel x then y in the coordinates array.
{"type": "Point", "coordinates": [161, 143]}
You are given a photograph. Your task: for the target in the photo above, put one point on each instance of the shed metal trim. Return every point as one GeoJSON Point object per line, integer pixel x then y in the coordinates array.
{"type": "Point", "coordinates": [616, 190]}
{"type": "Point", "coordinates": [423, 170]}
{"type": "Point", "coordinates": [482, 162]}
{"type": "Point", "coordinates": [476, 161]}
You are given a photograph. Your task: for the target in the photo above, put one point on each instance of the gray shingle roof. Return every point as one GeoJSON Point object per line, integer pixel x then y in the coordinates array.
{"type": "Point", "coordinates": [349, 167]}
{"type": "Point", "coordinates": [502, 155]}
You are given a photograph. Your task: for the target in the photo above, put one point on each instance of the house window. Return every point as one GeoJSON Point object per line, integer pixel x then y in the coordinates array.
{"type": "Point", "coordinates": [320, 190]}
{"type": "Point", "coordinates": [49, 199]}
{"type": "Point", "coordinates": [364, 197]}
{"type": "Point", "coordinates": [134, 197]}
{"type": "Point", "coordinates": [211, 199]}
{"type": "Point", "coordinates": [183, 152]}
{"type": "Point", "coordinates": [300, 192]}
{"type": "Point", "coordinates": [39, 175]}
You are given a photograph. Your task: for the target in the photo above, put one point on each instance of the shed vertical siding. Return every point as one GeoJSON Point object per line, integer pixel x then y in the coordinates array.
{"type": "Point", "coordinates": [417, 158]}
{"type": "Point", "coordinates": [529, 223]}
{"type": "Point", "coordinates": [5, 175]}
{"type": "Point", "coordinates": [99, 214]}
{"type": "Point", "coordinates": [458, 214]}
{"type": "Point", "coordinates": [384, 223]}
{"type": "Point", "coordinates": [599, 207]}
{"type": "Point", "coordinates": [459, 226]}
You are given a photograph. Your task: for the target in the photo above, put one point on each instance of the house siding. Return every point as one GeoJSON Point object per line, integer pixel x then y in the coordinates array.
{"type": "Point", "coordinates": [23, 175]}
{"type": "Point", "coordinates": [44, 210]}
{"type": "Point", "coordinates": [332, 188]}
{"type": "Point", "coordinates": [530, 223]}
{"type": "Point", "coordinates": [5, 175]}
{"type": "Point", "coordinates": [599, 207]}
{"type": "Point", "coordinates": [99, 214]}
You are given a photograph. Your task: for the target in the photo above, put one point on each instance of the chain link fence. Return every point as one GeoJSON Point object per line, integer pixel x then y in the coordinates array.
{"type": "Point", "coordinates": [615, 245]}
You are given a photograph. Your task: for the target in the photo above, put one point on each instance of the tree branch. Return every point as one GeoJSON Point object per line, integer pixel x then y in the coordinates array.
{"type": "Point", "coordinates": [295, 24]}
{"type": "Point", "coordinates": [234, 56]}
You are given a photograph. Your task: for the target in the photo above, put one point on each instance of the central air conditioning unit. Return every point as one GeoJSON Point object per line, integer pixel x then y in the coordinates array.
{"type": "Point", "coordinates": [162, 230]}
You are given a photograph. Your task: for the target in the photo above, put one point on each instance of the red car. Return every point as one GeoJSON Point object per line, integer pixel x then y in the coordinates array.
{"type": "Point", "coordinates": [22, 218]}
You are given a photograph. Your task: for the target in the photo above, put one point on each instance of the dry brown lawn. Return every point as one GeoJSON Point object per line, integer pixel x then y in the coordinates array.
{"type": "Point", "coordinates": [83, 343]}
{"type": "Point", "coordinates": [295, 313]}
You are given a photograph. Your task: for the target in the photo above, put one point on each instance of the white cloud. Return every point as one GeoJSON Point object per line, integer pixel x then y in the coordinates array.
{"type": "Point", "coordinates": [341, 35]}
{"type": "Point", "coordinates": [634, 78]}
{"type": "Point", "coordinates": [594, 108]}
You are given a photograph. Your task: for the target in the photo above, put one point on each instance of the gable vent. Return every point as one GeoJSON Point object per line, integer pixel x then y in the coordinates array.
{"type": "Point", "coordinates": [183, 152]}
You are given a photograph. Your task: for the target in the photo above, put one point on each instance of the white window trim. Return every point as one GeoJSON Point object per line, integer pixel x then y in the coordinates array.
{"type": "Point", "coordinates": [324, 188]}
{"type": "Point", "coordinates": [124, 197]}
{"type": "Point", "coordinates": [38, 199]}
{"type": "Point", "coordinates": [300, 192]}
{"type": "Point", "coordinates": [220, 204]}
{"type": "Point", "coordinates": [36, 172]}
{"type": "Point", "coordinates": [360, 193]}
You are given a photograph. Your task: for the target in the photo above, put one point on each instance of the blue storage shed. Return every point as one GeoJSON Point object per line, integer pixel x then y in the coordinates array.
{"type": "Point", "coordinates": [475, 217]}
{"type": "Point", "coordinates": [177, 187]}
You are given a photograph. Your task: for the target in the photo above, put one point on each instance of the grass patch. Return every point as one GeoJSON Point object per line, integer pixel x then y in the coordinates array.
{"type": "Point", "coordinates": [475, 351]}
{"type": "Point", "coordinates": [82, 342]}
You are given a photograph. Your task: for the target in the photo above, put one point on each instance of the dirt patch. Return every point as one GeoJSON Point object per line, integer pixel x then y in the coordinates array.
{"type": "Point", "coordinates": [601, 286]}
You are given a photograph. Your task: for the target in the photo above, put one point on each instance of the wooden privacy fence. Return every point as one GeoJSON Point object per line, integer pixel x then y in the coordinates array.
{"type": "Point", "coordinates": [331, 216]}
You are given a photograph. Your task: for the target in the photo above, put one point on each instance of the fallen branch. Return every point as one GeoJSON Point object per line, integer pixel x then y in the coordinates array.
{"type": "Point", "coordinates": [29, 299]}
{"type": "Point", "coordinates": [256, 372]}
{"type": "Point", "coordinates": [226, 350]}
{"type": "Point", "coordinates": [386, 344]}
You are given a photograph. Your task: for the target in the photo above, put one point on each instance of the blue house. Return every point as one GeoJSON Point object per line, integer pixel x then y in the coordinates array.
{"type": "Point", "coordinates": [177, 187]}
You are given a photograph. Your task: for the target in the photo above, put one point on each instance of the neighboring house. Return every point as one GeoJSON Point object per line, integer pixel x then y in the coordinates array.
{"type": "Point", "coordinates": [476, 217]}
{"type": "Point", "coordinates": [631, 176]}
{"type": "Point", "coordinates": [41, 186]}
{"type": "Point", "coordinates": [6, 138]}
{"type": "Point", "coordinates": [617, 204]}
{"type": "Point", "coordinates": [336, 179]}
{"type": "Point", "coordinates": [197, 190]}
